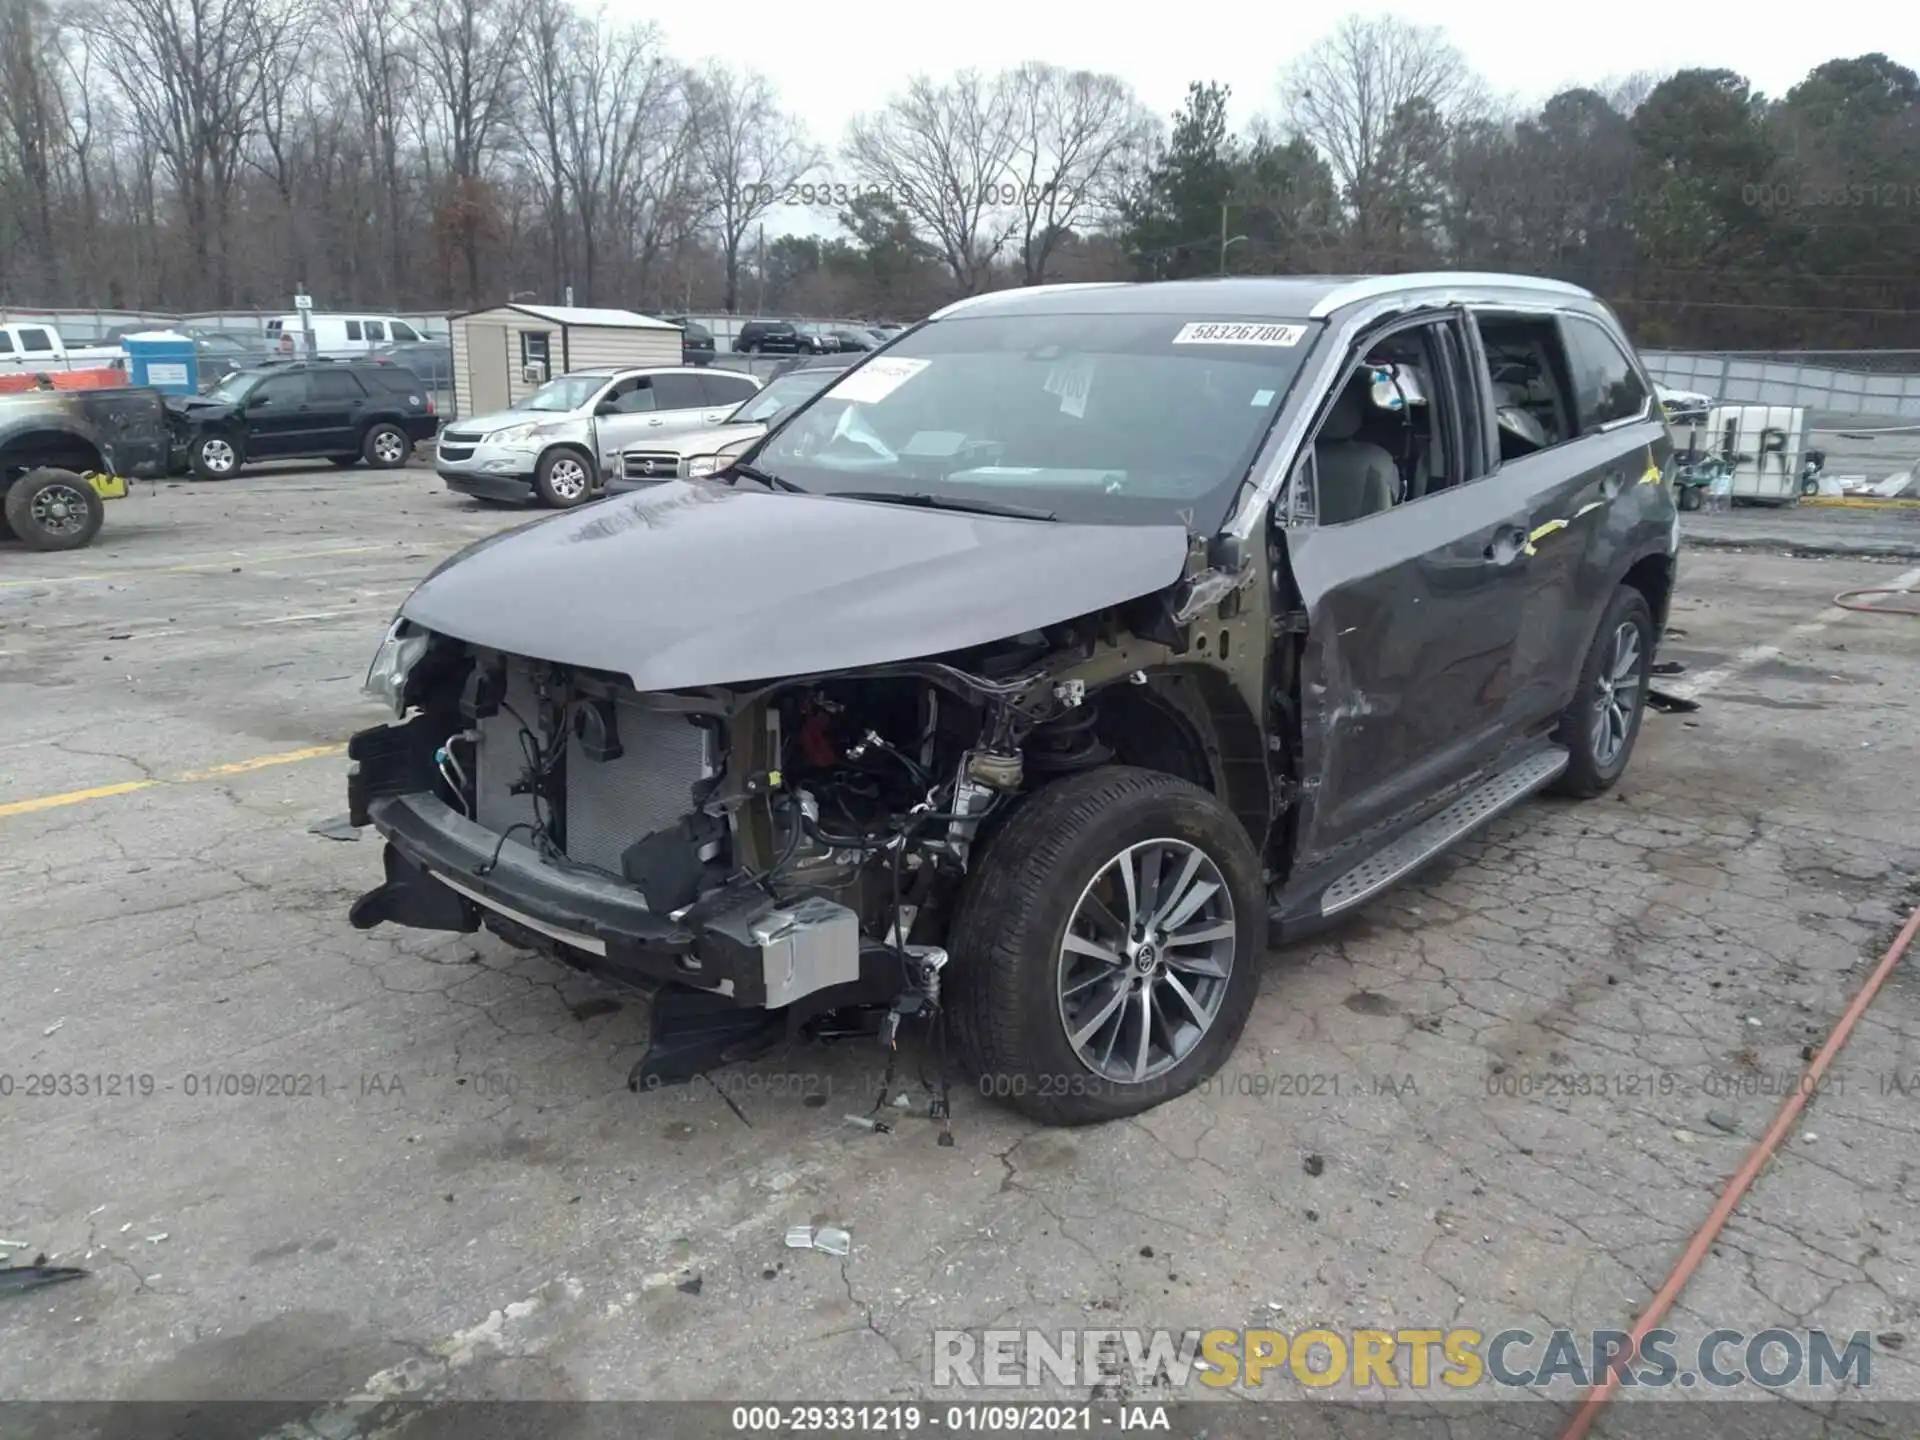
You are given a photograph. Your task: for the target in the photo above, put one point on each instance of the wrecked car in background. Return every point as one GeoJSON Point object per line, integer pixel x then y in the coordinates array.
{"type": "Point", "coordinates": [62, 452]}
{"type": "Point", "coordinates": [1043, 669]}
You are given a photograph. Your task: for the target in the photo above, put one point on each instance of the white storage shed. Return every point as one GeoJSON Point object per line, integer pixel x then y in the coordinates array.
{"type": "Point", "coordinates": [502, 355]}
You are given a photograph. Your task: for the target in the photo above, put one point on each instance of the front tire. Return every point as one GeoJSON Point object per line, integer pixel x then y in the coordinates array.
{"type": "Point", "coordinates": [563, 479]}
{"type": "Point", "coordinates": [1105, 950]}
{"type": "Point", "coordinates": [1601, 723]}
{"type": "Point", "coordinates": [215, 457]}
{"type": "Point", "coordinates": [54, 510]}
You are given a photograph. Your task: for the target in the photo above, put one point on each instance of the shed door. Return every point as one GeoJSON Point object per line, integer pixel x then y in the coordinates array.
{"type": "Point", "coordinates": [487, 368]}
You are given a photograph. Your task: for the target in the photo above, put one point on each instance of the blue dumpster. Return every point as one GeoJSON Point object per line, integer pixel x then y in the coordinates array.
{"type": "Point", "coordinates": [168, 362]}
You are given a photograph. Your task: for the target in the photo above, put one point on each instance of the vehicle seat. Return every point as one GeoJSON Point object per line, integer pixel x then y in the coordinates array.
{"type": "Point", "coordinates": [1356, 477]}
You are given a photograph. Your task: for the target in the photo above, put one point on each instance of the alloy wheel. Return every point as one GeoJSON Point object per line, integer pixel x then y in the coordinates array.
{"type": "Point", "coordinates": [1145, 960]}
{"type": "Point", "coordinates": [567, 478]}
{"type": "Point", "coordinates": [216, 454]}
{"type": "Point", "coordinates": [1617, 694]}
{"type": "Point", "coordinates": [387, 448]}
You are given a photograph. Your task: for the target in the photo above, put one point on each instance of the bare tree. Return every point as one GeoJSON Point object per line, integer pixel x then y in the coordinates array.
{"type": "Point", "coordinates": [199, 68]}
{"type": "Point", "coordinates": [747, 152]}
{"type": "Point", "coordinates": [376, 49]}
{"type": "Point", "coordinates": [1364, 96]}
{"type": "Point", "coordinates": [30, 116]}
{"type": "Point", "coordinates": [1073, 133]}
{"type": "Point", "coordinates": [941, 154]}
{"type": "Point", "coordinates": [468, 67]}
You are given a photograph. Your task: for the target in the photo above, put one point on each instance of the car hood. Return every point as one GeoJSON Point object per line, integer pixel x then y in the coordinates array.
{"type": "Point", "coordinates": [700, 442]}
{"type": "Point", "coordinates": [501, 419]}
{"type": "Point", "coordinates": [692, 583]}
{"type": "Point", "coordinates": [197, 407]}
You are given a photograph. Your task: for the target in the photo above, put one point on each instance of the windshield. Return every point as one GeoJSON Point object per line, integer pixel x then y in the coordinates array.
{"type": "Point", "coordinates": [1112, 419]}
{"type": "Point", "coordinates": [782, 394]}
{"type": "Point", "coordinates": [569, 392]}
{"type": "Point", "coordinates": [234, 388]}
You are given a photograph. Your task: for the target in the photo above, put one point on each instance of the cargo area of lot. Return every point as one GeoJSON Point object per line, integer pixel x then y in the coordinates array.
{"type": "Point", "coordinates": [303, 1161]}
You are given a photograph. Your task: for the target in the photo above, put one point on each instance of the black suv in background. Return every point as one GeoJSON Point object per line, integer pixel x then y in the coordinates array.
{"type": "Point", "coordinates": [768, 337]}
{"type": "Point", "coordinates": [316, 409]}
{"type": "Point", "coordinates": [696, 341]}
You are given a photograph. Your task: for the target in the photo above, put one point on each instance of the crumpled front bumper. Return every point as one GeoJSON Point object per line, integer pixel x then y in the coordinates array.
{"type": "Point", "coordinates": [445, 872]}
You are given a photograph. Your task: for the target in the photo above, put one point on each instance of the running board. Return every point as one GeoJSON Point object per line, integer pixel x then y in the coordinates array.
{"type": "Point", "coordinates": [1427, 839]}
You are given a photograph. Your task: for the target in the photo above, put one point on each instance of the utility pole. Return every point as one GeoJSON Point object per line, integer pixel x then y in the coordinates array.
{"type": "Point", "coordinates": [1224, 241]}
{"type": "Point", "coordinates": [760, 305]}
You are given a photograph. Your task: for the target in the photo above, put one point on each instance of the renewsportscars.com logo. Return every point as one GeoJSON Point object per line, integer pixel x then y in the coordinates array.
{"type": "Point", "coordinates": [1414, 1359]}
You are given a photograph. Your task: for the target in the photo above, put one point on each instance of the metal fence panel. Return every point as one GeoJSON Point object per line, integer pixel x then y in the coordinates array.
{"type": "Point", "coordinates": [1837, 385]}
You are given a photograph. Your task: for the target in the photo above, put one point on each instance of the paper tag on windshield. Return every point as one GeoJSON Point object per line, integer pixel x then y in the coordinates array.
{"type": "Point", "coordinates": [1071, 380]}
{"type": "Point", "coordinates": [1219, 332]}
{"type": "Point", "coordinates": [875, 380]}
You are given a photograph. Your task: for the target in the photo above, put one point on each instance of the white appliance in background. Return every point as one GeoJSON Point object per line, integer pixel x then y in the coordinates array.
{"type": "Point", "coordinates": [1765, 443]}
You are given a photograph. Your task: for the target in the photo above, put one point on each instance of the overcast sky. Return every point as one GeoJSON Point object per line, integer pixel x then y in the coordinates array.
{"type": "Point", "coordinates": [832, 59]}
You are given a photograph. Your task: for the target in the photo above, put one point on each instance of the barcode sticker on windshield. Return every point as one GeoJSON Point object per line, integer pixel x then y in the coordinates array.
{"type": "Point", "coordinates": [875, 380]}
{"type": "Point", "coordinates": [1221, 332]}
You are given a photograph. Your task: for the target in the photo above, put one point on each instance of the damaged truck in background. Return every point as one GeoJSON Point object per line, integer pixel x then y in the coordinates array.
{"type": "Point", "coordinates": [1040, 672]}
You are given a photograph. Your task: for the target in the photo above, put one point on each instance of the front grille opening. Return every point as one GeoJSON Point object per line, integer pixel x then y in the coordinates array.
{"type": "Point", "coordinates": [604, 805]}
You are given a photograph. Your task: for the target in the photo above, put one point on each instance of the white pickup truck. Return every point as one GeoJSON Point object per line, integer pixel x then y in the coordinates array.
{"type": "Point", "coordinates": [35, 347]}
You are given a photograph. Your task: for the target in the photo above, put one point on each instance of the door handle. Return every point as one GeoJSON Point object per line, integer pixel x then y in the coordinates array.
{"type": "Point", "coordinates": [1508, 544]}
{"type": "Point", "coordinates": [656, 421]}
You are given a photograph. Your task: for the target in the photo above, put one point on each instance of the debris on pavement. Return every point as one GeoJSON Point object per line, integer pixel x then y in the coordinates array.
{"type": "Point", "coordinates": [55, 1026]}
{"type": "Point", "coordinates": [14, 1279]}
{"type": "Point", "coordinates": [338, 828]}
{"type": "Point", "coordinates": [1671, 704]}
{"type": "Point", "coordinates": [1721, 1120]}
{"type": "Point", "coordinates": [862, 1122]}
{"type": "Point", "coordinates": [830, 1238]}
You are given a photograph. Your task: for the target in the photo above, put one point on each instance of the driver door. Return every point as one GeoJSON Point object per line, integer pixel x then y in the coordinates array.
{"type": "Point", "coordinates": [622, 418]}
{"type": "Point", "coordinates": [1413, 612]}
{"type": "Point", "coordinates": [276, 416]}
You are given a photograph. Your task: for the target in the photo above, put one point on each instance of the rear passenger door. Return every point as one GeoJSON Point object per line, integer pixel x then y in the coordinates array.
{"type": "Point", "coordinates": [623, 417]}
{"type": "Point", "coordinates": [724, 394]}
{"type": "Point", "coordinates": [335, 400]}
{"type": "Point", "coordinates": [1600, 423]}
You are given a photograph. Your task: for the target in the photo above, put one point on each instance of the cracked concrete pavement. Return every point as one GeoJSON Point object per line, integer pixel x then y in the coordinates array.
{"type": "Point", "coordinates": [330, 1163]}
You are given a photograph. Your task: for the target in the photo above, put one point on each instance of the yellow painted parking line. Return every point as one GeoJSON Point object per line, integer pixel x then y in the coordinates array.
{"type": "Point", "coordinates": [187, 777]}
{"type": "Point", "coordinates": [134, 571]}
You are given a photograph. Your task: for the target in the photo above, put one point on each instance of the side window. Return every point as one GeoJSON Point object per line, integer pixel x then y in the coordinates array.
{"type": "Point", "coordinates": [728, 389]}
{"type": "Point", "coordinates": [1606, 387]}
{"type": "Point", "coordinates": [282, 392]}
{"type": "Point", "coordinates": [336, 385]}
{"type": "Point", "coordinates": [534, 349]}
{"type": "Point", "coordinates": [6, 343]}
{"type": "Point", "coordinates": [634, 397]}
{"type": "Point", "coordinates": [377, 331]}
{"type": "Point", "coordinates": [1392, 435]}
{"type": "Point", "coordinates": [353, 329]}
{"type": "Point", "coordinates": [35, 341]}
{"type": "Point", "coordinates": [679, 392]}
{"type": "Point", "coordinates": [1533, 397]}
{"type": "Point", "coordinates": [405, 332]}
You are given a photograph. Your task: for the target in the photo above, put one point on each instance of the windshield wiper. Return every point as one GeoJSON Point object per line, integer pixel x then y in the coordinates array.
{"type": "Point", "coordinates": [771, 481]}
{"type": "Point", "coordinates": [948, 502]}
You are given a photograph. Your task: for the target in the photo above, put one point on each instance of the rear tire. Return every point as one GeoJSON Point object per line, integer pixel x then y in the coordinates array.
{"type": "Point", "coordinates": [387, 447]}
{"type": "Point", "coordinates": [1048, 901]}
{"type": "Point", "coordinates": [563, 479]}
{"type": "Point", "coordinates": [1602, 721]}
{"type": "Point", "coordinates": [1689, 498]}
{"type": "Point", "coordinates": [54, 510]}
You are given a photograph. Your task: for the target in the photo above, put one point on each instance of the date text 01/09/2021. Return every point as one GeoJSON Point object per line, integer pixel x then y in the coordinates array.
{"type": "Point", "coordinates": [1001, 1419]}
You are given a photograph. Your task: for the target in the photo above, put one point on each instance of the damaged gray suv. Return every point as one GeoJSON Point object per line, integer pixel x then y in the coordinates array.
{"type": "Point", "coordinates": [1038, 674]}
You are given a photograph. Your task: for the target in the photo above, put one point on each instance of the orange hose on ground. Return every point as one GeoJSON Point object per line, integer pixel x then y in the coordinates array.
{"type": "Point", "coordinates": [1845, 595]}
{"type": "Point", "coordinates": [1737, 1187]}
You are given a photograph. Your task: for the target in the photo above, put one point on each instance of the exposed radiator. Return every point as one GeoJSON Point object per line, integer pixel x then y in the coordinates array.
{"type": "Point", "coordinates": [609, 804]}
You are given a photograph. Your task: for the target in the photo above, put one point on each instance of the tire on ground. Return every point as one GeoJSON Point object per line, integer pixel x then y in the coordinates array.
{"type": "Point", "coordinates": [209, 469]}
{"type": "Point", "coordinates": [1587, 774]}
{"type": "Point", "coordinates": [1002, 991]}
{"type": "Point", "coordinates": [389, 438]}
{"type": "Point", "coordinates": [543, 477]}
{"type": "Point", "coordinates": [45, 498]}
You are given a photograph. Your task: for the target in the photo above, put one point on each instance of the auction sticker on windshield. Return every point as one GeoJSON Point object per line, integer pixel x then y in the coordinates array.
{"type": "Point", "coordinates": [875, 380]}
{"type": "Point", "coordinates": [1221, 332]}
